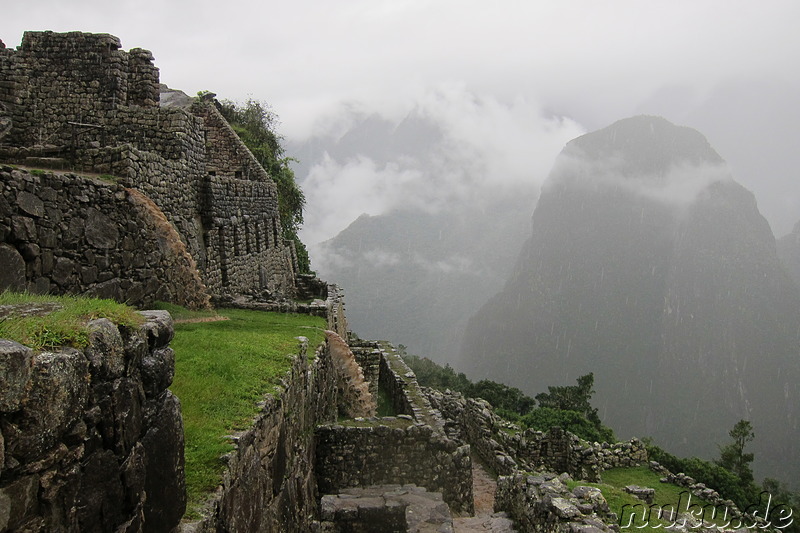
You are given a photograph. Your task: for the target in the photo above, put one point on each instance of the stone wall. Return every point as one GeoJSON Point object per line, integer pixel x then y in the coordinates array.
{"type": "Point", "coordinates": [385, 508]}
{"type": "Point", "coordinates": [544, 504]}
{"type": "Point", "coordinates": [93, 439]}
{"type": "Point", "coordinates": [71, 234]}
{"type": "Point", "coordinates": [269, 483]}
{"type": "Point", "coordinates": [368, 357]}
{"type": "Point", "coordinates": [245, 246]}
{"type": "Point", "coordinates": [76, 101]}
{"type": "Point", "coordinates": [409, 449]}
{"type": "Point", "coordinates": [380, 451]}
{"type": "Point", "coordinates": [57, 78]}
{"type": "Point", "coordinates": [506, 448]}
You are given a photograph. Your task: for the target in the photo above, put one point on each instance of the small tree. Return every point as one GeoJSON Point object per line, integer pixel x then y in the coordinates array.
{"type": "Point", "coordinates": [733, 457]}
{"type": "Point", "coordinates": [572, 398]}
{"type": "Point", "coordinates": [256, 124]}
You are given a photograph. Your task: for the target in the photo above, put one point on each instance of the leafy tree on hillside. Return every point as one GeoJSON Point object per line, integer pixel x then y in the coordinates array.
{"type": "Point", "coordinates": [565, 407]}
{"type": "Point", "coordinates": [733, 457]}
{"type": "Point", "coordinates": [256, 124]}
{"type": "Point", "coordinates": [544, 418]}
{"type": "Point", "coordinates": [572, 398]}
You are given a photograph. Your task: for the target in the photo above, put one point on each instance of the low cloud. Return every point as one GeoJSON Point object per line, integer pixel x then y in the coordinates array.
{"type": "Point", "coordinates": [678, 186]}
{"type": "Point", "coordinates": [485, 147]}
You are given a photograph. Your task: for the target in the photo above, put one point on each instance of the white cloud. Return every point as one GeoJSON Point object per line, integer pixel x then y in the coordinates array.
{"type": "Point", "coordinates": [595, 61]}
{"type": "Point", "coordinates": [487, 148]}
{"type": "Point", "coordinates": [679, 186]}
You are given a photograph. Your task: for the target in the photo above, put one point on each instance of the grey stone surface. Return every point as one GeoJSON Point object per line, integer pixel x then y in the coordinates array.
{"type": "Point", "coordinates": [195, 175]}
{"type": "Point", "coordinates": [101, 231]}
{"type": "Point", "coordinates": [12, 275]}
{"type": "Point", "coordinates": [387, 508]}
{"type": "Point", "coordinates": [163, 447]}
{"type": "Point", "coordinates": [82, 447]}
{"type": "Point", "coordinates": [106, 351]}
{"type": "Point", "coordinates": [15, 373]}
{"type": "Point", "coordinates": [473, 421]}
{"type": "Point", "coordinates": [30, 204]}
{"type": "Point", "coordinates": [422, 454]}
{"type": "Point", "coordinates": [537, 503]}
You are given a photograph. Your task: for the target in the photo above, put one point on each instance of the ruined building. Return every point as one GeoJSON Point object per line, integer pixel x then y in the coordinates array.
{"type": "Point", "coordinates": [78, 102]}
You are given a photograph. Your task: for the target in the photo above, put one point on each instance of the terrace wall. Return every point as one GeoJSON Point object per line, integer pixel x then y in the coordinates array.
{"type": "Point", "coordinates": [92, 439]}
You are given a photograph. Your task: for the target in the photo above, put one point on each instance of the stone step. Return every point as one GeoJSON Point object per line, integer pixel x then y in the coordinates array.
{"type": "Point", "coordinates": [496, 522]}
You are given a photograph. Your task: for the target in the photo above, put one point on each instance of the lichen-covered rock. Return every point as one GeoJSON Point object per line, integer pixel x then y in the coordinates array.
{"type": "Point", "coordinates": [543, 503]}
{"type": "Point", "coordinates": [159, 327]}
{"type": "Point", "coordinates": [15, 372]}
{"type": "Point", "coordinates": [83, 448]}
{"type": "Point", "coordinates": [106, 351]}
{"type": "Point", "coordinates": [158, 370]}
{"type": "Point", "coordinates": [54, 402]}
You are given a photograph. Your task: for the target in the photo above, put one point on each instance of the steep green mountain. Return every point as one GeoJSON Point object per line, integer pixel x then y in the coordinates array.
{"type": "Point", "coordinates": [649, 266]}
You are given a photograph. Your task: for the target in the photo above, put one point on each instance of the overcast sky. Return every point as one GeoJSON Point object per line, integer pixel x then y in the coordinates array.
{"type": "Point", "coordinates": [729, 68]}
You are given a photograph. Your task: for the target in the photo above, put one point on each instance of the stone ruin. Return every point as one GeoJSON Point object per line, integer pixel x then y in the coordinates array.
{"type": "Point", "coordinates": [92, 439]}
{"type": "Point", "coordinates": [146, 202]}
{"type": "Point", "coordinates": [76, 102]}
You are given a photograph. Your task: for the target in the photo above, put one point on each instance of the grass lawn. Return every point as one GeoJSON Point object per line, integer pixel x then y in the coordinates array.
{"type": "Point", "coordinates": [667, 497]}
{"type": "Point", "coordinates": [65, 325]}
{"type": "Point", "coordinates": [222, 370]}
{"type": "Point", "coordinates": [182, 314]}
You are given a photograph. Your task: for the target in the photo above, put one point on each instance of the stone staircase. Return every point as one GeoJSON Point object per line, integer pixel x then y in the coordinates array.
{"type": "Point", "coordinates": [485, 519]}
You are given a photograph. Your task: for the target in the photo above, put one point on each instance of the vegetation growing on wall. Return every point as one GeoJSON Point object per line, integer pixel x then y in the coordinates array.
{"type": "Point", "coordinates": [62, 320]}
{"type": "Point", "coordinates": [256, 124]}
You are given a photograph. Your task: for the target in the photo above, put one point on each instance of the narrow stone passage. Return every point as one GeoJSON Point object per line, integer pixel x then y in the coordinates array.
{"type": "Point", "coordinates": [485, 519]}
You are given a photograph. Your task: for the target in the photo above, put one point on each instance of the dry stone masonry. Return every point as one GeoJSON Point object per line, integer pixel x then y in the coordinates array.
{"type": "Point", "coordinates": [64, 233]}
{"type": "Point", "coordinates": [544, 504]}
{"type": "Point", "coordinates": [146, 201]}
{"type": "Point", "coordinates": [506, 448]}
{"type": "Point", "coordinates": [410, 448]}
{"type": "Point", "coordinates": [92, 438]}
{"type": "Point", "coordinates": [77, 101]}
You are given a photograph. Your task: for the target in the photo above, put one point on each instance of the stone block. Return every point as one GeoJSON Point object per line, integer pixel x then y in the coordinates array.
{"type": "Point", "coordinates": [30, 204]}
{"type": "Point", "coordinates": [23, 228]}
{"type": "Point", "coordinates": [18, 501]}
{"type": "Point", "coordinates": [164, 482]}
{"type": "Point", "coordinates": [63, 271]}
{"type": "Point", "coordinates": [15, 373]}
{"type": "Point", "coordinates": [106, 351]}
{"type": "Point", "coordinates": [158, 370]}
{"type": "Point", "coordinates": [12, 275]}
{"type": "Point", "coordinates": [101, 493]}
{"type": "Point", "coordinates": [55, 401]}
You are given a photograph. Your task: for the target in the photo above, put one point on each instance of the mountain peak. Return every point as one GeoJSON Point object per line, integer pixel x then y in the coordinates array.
{"type": "Point", "coordinates": [645, 144]}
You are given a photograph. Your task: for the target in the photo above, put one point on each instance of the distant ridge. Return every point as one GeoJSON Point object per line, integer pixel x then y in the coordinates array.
{"type": "Point", "coordinates": [649, 266]}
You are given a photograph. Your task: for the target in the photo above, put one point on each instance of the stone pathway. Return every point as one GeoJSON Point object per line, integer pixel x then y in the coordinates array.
{"type": "Point", "coordinates": [485, 519]}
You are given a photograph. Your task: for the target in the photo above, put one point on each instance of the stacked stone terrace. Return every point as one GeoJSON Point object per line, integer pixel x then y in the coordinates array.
{"type": "Point", "coordinates": [76, 101]}
{"type": "Point", "coordinates": [404, 463]}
